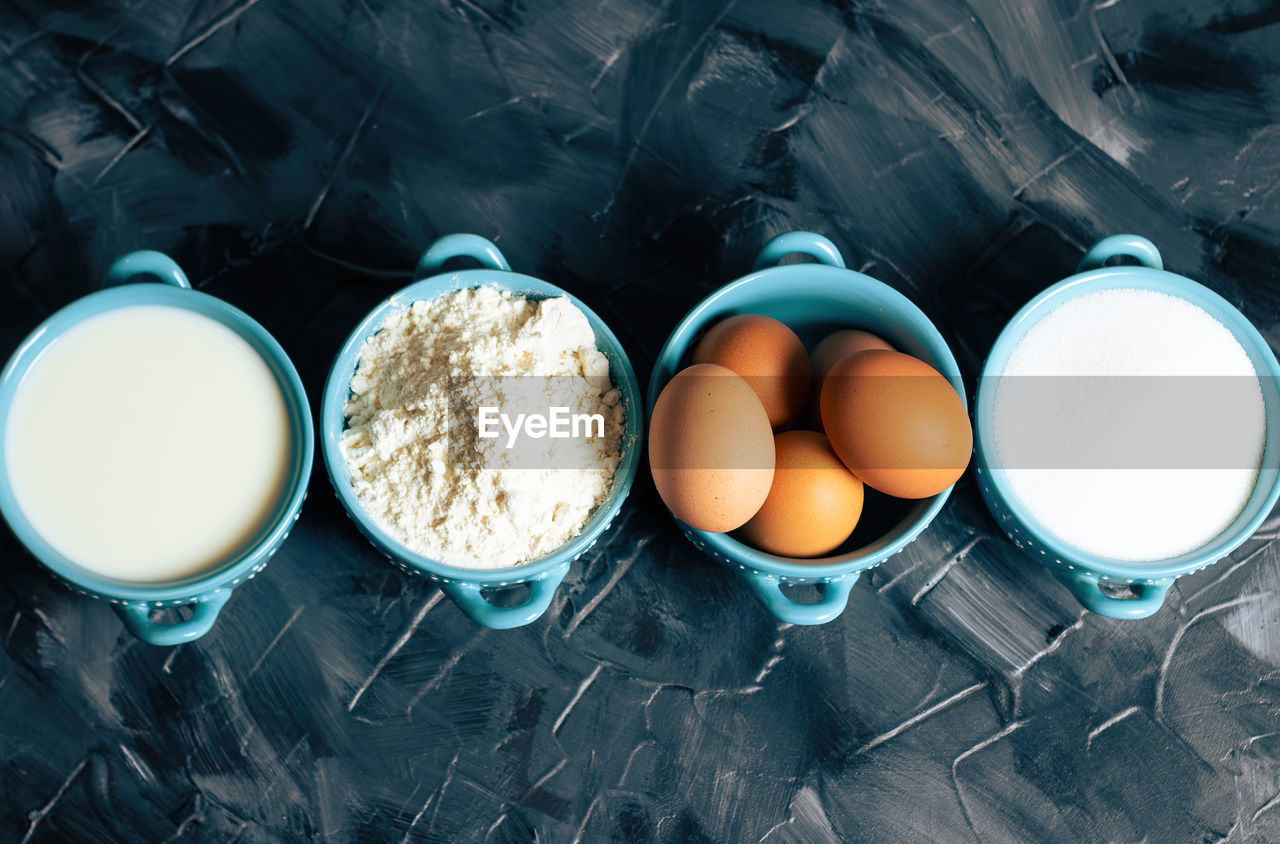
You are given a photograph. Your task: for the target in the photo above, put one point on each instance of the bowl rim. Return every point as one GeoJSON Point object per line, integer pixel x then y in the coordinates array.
{"type": "Point", "coordinates": [835, 567]}
{"type": "Point", "coordinates": [337, 387]}
{"type": "Point", "coordinates": [1095, 280]}
{"type": "Point", "coordinates": [273, 533]}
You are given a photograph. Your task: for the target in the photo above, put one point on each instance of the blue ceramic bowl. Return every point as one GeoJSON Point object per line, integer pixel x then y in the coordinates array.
{"type": "Point", "coordinates": [206, 593]}
{"type": "Point", "coordinates": [1084, 573]}
{"type": "Point", "coordinates": [464, 586]}
{"type": "Point", "coordinates": [813, 300]}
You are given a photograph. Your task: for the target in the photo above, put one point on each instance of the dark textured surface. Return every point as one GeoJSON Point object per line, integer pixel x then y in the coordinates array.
{"type": "Point", "coordinates": [296, 157]}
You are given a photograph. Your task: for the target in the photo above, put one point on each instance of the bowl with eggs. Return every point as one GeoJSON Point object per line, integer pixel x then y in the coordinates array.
{"type": "Point", "coordinates": [807, 422]}
{"type": "Point", "coordinates": [1128, 429]}
{"type": "Point", "coordinates": [405, 431]}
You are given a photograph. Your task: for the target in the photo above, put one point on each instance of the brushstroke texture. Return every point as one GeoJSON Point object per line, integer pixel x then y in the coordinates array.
{"type": "Point", "coordinates": [297, 156]}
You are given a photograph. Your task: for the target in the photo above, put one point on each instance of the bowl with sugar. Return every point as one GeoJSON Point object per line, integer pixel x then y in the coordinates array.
{"type": "Point", "coordinates": [1127, 429]}
{"type": "Point", "coordinates": [403, 421]}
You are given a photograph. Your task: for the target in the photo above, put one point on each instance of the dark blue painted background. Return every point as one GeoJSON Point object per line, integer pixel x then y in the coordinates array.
{"type": "Point", "coordinates": [296, 157]}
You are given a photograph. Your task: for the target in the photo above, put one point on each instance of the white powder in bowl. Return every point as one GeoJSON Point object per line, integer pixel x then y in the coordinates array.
{"type": "Point", "coordinates": [1130, 424]}
{"type": "Point", "coordinates": [418, 464]}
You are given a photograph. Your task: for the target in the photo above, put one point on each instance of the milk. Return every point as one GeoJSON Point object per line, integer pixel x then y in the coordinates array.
{"type": "Point", "coordinates": [148, 443]}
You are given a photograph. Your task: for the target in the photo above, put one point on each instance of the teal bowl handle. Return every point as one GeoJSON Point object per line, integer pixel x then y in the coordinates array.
{"type": "Point", "coordinates": [835, 595]}
{"type": "Point", "coordinates": [1085, 587]}
{"type": "Point", "coordinates": [146, 262]}
{"type": "Point", "coordinates": [806, 243]}
{"type": "Point", "coordinates": [460, 246]}
{"type": "Point", "coordinates": [137, 620]}
{"type": "Point", "coordinates": [1121, 245]}
{"type": "Point", "coordinates": [468, 598]}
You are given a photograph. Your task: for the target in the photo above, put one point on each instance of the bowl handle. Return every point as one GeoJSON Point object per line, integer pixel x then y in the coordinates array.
{"type": "Point", "coordinates": [146, 261]}
{"type": "Point", "coordinates": [1085, 587]}
{"type": "Point", "coordinates": [815, 246]}
{"type": "Point", "coordinates": [1126, 245]}
{"type": "Point", "coordinates": [460, 246]}
{"type": "Point", "coordinates": [137, 620]}
{"type": "Point", "coordinates": [469, 599]}
{"type": "Point", "coordinates": [835, 595]}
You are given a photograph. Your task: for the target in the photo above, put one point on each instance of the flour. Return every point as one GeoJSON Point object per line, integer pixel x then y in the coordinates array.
{"type": "Point", "coordinates": [1130, 424]}
{"type": "Point", "coordinates": [418, 464]}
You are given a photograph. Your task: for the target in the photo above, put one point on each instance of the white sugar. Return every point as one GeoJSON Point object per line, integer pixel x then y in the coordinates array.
{"type": "Point", "coordinates": [1130, 424]}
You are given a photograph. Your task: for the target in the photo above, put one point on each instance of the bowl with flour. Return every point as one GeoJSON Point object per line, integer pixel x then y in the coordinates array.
{"type": "Point", "coordinates": [1128, 429]}
{"type": "Point", "coordinates": [482, 428]}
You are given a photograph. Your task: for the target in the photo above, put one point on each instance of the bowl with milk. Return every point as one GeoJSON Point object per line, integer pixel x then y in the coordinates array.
{"type": "Point", "coordinates": [1128, 429]}
{"type": "Point", "coordinates": [157, 443]}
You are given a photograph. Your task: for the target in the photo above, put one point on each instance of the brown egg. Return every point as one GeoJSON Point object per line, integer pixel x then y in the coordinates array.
{"type": "Point", "coordinates": [834, 348]}
{"type": "Point", "coordinates": [710, 448]}
{"type": "Point", "coordinates": [766, 353]}
{"type": "Point", "coordinates": [839, 345]}
{"type": "Point", "coordinates": [896, 423]}
{"type": "Point", "coordinates": [814, 503]}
